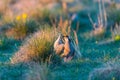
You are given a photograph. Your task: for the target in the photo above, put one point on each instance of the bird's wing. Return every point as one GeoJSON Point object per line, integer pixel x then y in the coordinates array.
{"type": "Point", "coordinates": [59, 48]}
{"type": "Point", "coordinates": [66, 48]}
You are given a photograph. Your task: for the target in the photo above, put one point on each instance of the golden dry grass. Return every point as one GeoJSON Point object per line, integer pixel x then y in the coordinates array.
{"type": "Point", "coordinates": [21, 27]}
{"type": "Point", "coordinates": [36, 48]}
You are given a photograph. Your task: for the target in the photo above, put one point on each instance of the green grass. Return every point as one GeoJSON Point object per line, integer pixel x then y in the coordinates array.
{"type": "Point", "coordinates": [94, 63]}
{"type": "Point", "coordinates": [22, 28]}
{"type": "Point", "coordinates": [93, 57]}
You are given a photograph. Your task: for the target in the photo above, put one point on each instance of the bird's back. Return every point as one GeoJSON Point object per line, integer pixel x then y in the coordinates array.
{"type": "Point", "coordinates": [69, 49]}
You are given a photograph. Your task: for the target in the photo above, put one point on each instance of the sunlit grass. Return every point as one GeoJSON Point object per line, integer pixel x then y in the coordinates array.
{"type": "Point", "coordinates": [37, 38]}
{"type": "Point", "coordinates": [37, 48]}
{"type": "Point", "coordinates": [22, 27]}
{"type": "Point", "coordinates": [116, 33]}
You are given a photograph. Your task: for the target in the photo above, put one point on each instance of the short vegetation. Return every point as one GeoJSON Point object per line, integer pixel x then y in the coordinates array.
{"type": "Point", "coordinates": [29, 28]}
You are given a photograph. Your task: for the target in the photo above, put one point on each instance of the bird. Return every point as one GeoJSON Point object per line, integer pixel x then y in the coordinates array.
{"type": "Point", "coordinates": [69, 50]}
{"type": "Point", "coordinates": [59, 45]}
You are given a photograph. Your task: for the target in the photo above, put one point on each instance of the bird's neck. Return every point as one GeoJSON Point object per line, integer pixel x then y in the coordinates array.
{"type": "Point", "coordinates": [66, 40]}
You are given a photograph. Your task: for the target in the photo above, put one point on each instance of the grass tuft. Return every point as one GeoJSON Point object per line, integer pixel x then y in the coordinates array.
{"type": "Point", "coordinates": [22, 28]}
{"type": "Point", "coordinates": [37, 48]}
{"type": "Point", "coordinates": [110, 71]}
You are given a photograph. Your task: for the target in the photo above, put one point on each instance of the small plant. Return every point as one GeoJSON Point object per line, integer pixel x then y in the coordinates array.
{"type": "Point", "coordinates": [22, 26]}
{"type": "Point", "coordinates": [64, 27]}
{"type": "Point", "coordinates": [116, 33]}
{"type": "Point", "coordinates": [101, 24]}
{"type": "Point", "coordinates": [6, 43]}
{"type": "Point", "coordinates": [37, 48]}
{"type": "Point", "coordinates": [110, 71]}
{"type": "Point", "coordinates": [26, 71]}
{"type": "Point", "coordinates": [4, 6]}
{"type": "Point", "coordinates": [3, 43]}
{"type": "Point", "coordinates": [37, 71]}
{"type": "Point", "coordinates": [113, 15]}
{"type": "Point", "coordinates": [41, 16]}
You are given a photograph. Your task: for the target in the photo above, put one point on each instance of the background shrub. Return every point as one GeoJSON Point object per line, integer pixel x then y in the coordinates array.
{"type": "Point", "coordinates": [21, 29]}
{"type": "Point", "coordinates": [110, 71]}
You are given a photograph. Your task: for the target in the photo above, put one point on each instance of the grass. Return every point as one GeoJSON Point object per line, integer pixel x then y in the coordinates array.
{"type": "Point", "coordinates": [41, 15]}
{"type": "Point", "coordinates": [22, 27]}
{"type": "Point", "coordinates": [26, 47]}
{"type": "Point", "coordinates": [36, 48]}
{"type": "Point", "coordinates": [114, 16]}
{"type": "Point", "coordinates": [115, 33]}
{"type": "Point", "coordinates": [24, 70]}
{"type": "Point", "coordinates": [7, 43]}
{"type": "Point", "coordinates": [109, 72]}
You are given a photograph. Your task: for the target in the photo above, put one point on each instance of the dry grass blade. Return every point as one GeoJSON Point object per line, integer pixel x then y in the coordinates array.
{"type": "Point", "coordinates": [101, 24]}
{"type": "Point", "coordinates": [76, 45]}
{"type": "Point", "coordinates": [76, 39]}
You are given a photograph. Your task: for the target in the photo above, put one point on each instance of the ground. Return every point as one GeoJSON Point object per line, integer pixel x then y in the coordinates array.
{"type": "Point", "coordinates": [98, 53]}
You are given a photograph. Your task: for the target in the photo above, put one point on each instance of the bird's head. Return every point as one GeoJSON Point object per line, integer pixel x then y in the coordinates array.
{"type": "Point", "coordinates": [66, 38]}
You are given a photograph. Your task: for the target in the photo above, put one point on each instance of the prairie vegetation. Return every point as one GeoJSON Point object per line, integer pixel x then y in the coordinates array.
{"type": "Point", "coordinates": [29, 28]}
